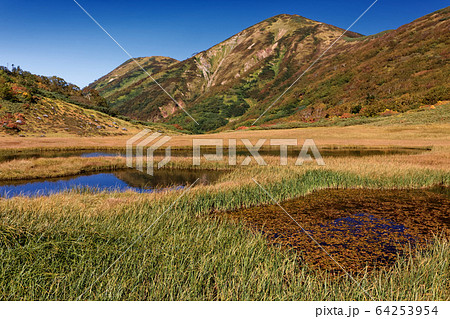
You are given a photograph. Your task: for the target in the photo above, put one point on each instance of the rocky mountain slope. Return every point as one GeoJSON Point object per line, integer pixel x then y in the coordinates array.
{"type": "Point", "coordinates": [232, 83]}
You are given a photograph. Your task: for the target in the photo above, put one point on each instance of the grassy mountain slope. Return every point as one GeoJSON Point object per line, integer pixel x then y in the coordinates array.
{"type": "Point", "coordinates": [232, 83]}
{"type": "Point", "coordinates": [32, 105]}
{"type": "Point", "coordinates": [129, 72]}
{"type": "Point", "coordinates": [392, 72]}
{"type": "Point", "coordinates": [200, 78]}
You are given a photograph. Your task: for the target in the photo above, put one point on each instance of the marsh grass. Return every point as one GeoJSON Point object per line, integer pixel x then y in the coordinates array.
{"type": "Point", "coordinates": [422, 127]}
{"type": "Point", "coordinates": [192, 253]}
{"type": "Point", "coordinates": [23, 169]}
{"type": "Point", "coordinates": [438, 158]}
{"type": "Point", "coordinates": [55, 247]}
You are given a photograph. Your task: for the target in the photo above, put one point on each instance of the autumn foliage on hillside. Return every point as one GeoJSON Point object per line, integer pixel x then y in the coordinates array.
{"type": "Point", "coordinates": [19, 86]}
{"type": "Point", "coordinates": [12, 122]}
{"type": "Point", "coordinates": [34, 104]}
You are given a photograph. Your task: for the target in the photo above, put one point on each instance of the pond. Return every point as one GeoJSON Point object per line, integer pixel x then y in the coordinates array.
{"type": "Point", "coordinates": [358, 227]}
{"type": "Point", "coordinates": [120, 180]}
{"type": "Point", "coordinates": [325, 152]}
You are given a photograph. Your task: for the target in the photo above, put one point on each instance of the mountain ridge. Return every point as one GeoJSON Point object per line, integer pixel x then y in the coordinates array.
{"type": "Point", "coordinates": [231, 83]}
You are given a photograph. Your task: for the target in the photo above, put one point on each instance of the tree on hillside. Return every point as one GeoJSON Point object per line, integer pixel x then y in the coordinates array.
{"type": "Point", "coordinates": [5, 92]}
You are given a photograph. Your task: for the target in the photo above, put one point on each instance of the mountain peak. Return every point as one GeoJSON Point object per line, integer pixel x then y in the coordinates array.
{"type": "Point", "coordinates": [285, 16]}
{"type": "Point", "coordinates": [234, 81]}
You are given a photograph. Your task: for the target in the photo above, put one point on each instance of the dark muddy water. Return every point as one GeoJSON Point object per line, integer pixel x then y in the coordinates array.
{"type": "Point", "coordinates": [356, 227]}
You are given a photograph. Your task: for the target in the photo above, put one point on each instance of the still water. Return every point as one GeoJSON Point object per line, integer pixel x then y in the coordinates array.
{"type": "Point", "coordinates": [121, 180]}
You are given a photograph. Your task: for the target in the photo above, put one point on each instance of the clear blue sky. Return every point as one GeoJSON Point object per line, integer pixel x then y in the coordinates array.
{"type": "Point", "coordinates": [54, 37]}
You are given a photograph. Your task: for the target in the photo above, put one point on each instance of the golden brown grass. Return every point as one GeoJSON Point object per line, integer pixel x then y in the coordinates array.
{"type": "Point", "coordinates": [66, 240]}
{"type": "Point", "coordinates": [361, 135]}
{"type": "Point", "coordinates": [56, 167]}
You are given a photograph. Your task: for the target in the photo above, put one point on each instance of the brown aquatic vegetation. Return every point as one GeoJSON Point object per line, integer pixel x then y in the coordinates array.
{"type": "Point", "coordinates": [358, 228]}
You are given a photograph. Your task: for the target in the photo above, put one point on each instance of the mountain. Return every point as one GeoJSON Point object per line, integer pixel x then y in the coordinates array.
{"type": "Point", "coordinates": [232, 83]}
{"type": "Point", "coordinates": [33, 105]}
{"type": "Point", "coordinates": [129, 72]}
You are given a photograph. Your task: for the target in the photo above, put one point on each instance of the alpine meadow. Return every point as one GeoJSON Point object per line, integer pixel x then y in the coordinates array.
{"type": "Point", "coordinates": [293, 161]}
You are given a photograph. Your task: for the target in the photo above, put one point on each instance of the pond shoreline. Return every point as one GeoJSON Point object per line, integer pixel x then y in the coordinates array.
{"type": "Point", "coordinates": [58, 164]}
{"type": "Point", "coordinates": [118, 180]}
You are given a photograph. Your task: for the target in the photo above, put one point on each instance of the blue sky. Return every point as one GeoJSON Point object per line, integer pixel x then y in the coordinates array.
{"type": "Point", "coordinates": [55, 37]}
